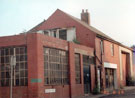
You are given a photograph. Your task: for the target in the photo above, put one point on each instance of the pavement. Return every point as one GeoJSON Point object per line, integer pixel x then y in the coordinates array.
{"type": "Point", "coordinates": [129, 92]}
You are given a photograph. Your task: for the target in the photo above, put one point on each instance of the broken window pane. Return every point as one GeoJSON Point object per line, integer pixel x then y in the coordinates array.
{"type": "Point", "coordinates": [63, 34]}
{"type": "Point", "coordinates": [55, 67]}
{"type": "Point", "coordinates": [20, 68]}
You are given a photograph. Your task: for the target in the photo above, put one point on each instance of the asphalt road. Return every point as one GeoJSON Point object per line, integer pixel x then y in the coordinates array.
{"type": "Point", "coordinates": [127, 94]}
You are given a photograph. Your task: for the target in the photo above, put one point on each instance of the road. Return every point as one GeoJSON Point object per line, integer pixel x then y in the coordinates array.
{"type": "Point", "coordinates": [127, 94]}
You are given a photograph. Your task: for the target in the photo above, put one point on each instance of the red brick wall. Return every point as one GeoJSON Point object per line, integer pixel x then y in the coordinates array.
{"type": "Point", "coordinates": [98, 50]}
{"type": "Point", "coordinates": [107, 57]}
{"type": "Point", "coordinates": [18, 92]}
{"type": "Point", "coordinates": [35, 43]}
{"type": "Point", "coordinates": [17, 40]}
{"type": "Point", "coordinates": [70, 90]}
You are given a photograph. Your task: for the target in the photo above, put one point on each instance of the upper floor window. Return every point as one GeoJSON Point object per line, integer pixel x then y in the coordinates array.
{"type": "Point", "coordinates": [57, 33]}
{"type": "Point", "coordinates": [63, 34]}
{"type": "Point", "coordinates": [46, 33]}
{"type": "Point", "coordinates": [68, 34]}
{"type": "Point", "coordinates": [112, 49]}
{"type": "Point", "coordinates": [54, 34]}
{"type": "Point", "coordinates": [102, 47]}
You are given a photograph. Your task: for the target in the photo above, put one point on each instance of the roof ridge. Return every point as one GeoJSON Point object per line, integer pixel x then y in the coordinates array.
{"type": "Point", "coordinates": [35, 27]}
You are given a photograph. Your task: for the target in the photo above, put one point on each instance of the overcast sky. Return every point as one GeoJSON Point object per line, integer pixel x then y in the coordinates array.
{"type": "Point", "coordinates": [115, 18]}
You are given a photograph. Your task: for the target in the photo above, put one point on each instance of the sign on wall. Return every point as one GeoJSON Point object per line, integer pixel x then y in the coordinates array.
{"type": "Point", "coordinates": [36, 80]}
{"type": "Point", "coordinates": [50, 90]}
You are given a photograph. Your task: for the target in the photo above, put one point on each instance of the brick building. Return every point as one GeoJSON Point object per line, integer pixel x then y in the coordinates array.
{"type": "Point", "coordinates": [63, 57]}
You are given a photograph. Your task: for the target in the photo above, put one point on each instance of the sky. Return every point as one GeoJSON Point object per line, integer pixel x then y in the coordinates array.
{"type": "Point", "coordinates": [115, 18]}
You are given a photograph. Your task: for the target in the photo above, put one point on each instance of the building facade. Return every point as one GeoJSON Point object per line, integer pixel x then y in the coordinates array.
{"type": "Point", "coordinates": [45, 67]}
{"type": "Point", "coordinates": [63, 57]}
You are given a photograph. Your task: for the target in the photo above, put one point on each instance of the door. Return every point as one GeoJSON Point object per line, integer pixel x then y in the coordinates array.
{"type": "Point", "coordinates": [86, 75]}
{"type": "Point", "coordinates": [109, 75]}
{"type": "Point", "coordinates": [124, 68]}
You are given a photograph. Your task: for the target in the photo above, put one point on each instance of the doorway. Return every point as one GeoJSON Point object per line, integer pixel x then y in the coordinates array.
{"type": "Point", "coordinates": [109, 77]}
{"type": "Point", "coordinates": [125, 68]}
{"type": "Point", "coordinates": [86, 75]}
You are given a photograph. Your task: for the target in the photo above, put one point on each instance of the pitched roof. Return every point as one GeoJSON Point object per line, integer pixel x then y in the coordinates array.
{"type": "Point", "coordinates": [98, 33]}
{"type": "Point", "coordinates": [35, 28]}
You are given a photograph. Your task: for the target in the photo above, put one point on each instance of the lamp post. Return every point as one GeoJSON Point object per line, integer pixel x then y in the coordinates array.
{"type": "Point", "coordinates": [12, 66]}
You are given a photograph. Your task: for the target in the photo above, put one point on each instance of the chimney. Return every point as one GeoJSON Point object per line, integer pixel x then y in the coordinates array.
{"type": "Point", "coordinates": [85, 16]}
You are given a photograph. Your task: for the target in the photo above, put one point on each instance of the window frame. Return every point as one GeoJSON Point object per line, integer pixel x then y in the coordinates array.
{"type": "Point", "coordinates": [112, 49]}
{"type": "Point", "coordinates": [102, 46]}
{"type": "Point", "coordinates": [64, 73]}
{"type": "Point", "coordinates": [60, 34]}
{"type": "Point", "coordinates": [22, 54]}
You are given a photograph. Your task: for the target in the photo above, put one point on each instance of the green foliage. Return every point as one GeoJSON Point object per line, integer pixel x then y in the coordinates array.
{"type": "Point", "coordinates": [76, 41]}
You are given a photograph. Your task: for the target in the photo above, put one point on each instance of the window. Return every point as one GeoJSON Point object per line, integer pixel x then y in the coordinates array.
{"type": "Point", "coordinates": [86, 60]}
{"type": "Point", "coordinates": [55, 67]}
{"type": "Point", "coordinates": [63, 34]}
{"type": "Point", "coordinates": [54, 34]}
{"type": "Point", "coordinates": [112, 49]}
{"type": "Point", "coordinates": [102, 47]}
{"type": "Point", "coordinates": [77, 69]}
{"type": "Point", "coordinates": [20, 73]}
{"type": "Point", "coordinates": [57, 33]}
{"type": "Point", "coordinates": [46, 33]}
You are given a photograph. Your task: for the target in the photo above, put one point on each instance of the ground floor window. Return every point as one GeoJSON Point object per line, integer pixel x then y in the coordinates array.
{"type": "Point", "coordinates": [56, 68]}
{"type": "Point", "coordinates": [20, 72]}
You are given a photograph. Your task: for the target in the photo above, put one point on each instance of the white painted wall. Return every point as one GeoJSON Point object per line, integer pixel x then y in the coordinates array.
{"type": "Point", "coordinates": [71, 33]}
{"type": "Point", "coordinates": [110, 65]}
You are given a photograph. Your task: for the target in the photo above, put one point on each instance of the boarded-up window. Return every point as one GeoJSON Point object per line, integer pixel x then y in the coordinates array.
{"type": "Point", "coordinates": [20, 73]}
{"type": "Point", "coordinates": [56, 66]}
{"type": "Point", "coordinates": [77, 69]}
